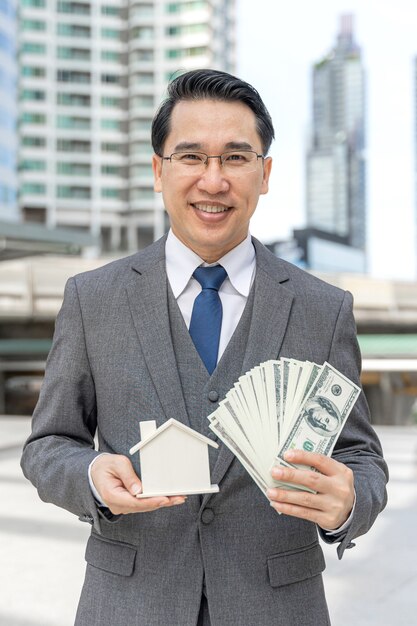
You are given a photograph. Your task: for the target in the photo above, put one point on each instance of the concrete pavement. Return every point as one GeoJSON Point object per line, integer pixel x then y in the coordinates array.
{"type": "Point", "coordinates": [42, 548]}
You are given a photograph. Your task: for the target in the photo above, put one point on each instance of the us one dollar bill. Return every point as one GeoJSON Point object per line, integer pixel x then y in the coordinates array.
{"type": "Point", "coordinates": [281, 405]}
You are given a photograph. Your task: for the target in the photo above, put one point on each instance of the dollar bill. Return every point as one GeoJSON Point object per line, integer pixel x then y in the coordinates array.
{"type": "Point", "coordinates": [322, 414]}
{"type": "Point", "coordinates": [280, 405]}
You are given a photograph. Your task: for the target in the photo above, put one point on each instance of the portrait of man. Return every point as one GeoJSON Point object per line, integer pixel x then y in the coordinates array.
{"type": "Point", "coordinates": [165, 333]}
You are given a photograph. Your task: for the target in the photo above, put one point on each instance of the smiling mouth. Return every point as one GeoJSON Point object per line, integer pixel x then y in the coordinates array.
{"type": "Point", "coordinates": [211, 208]}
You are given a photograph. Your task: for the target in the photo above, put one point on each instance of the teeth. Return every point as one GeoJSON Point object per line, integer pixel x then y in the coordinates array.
{"type": "Point", "coordinates": [210, 208]}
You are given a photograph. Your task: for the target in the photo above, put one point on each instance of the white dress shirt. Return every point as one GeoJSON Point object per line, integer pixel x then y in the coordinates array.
{"type": "Point", "coordinates": [240, 265]}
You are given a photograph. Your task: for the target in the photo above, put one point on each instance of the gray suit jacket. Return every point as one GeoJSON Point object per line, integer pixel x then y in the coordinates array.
{"type": "Point", "coordinates": [112, 363]}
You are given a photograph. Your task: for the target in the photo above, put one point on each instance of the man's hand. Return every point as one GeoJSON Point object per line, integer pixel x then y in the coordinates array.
{"type": "Point", "coordinates": [116, 482]}
{"type": "Point", "coordinates": [330, 507]}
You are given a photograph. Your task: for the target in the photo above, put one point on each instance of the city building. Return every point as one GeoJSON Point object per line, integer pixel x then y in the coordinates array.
{"type": "Point", "coordinates": [8, 73]}
{"type": "Point", "coordinates": [336, 175]}
{"type": "Point", "coordinates": [320, 251]}
{"type": "Point", "coordinates": [91, 76]}
{"type": "Point", "coordinates": [415, 133]}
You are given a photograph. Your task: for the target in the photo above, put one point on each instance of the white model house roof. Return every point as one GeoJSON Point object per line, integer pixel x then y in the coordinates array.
{"type": "Point", "coordinates": [172, 423]}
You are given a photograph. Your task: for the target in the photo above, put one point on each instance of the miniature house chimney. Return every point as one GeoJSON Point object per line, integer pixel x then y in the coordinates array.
{"type": "Point", "coordinates": [146, 429]}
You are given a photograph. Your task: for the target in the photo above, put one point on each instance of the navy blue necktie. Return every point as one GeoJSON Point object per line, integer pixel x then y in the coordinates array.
{"type": "Point", "coordinates": [206, 318]}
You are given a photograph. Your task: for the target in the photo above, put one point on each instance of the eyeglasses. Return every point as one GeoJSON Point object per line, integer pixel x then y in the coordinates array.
{"type": "Point", "coordinates": [236, 163]}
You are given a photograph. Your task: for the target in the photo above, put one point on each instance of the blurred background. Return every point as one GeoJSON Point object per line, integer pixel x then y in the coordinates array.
{"type": "Point", "coordinates": [79, 84]}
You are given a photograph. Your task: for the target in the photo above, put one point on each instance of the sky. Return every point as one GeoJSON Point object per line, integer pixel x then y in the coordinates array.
{"type": "Point", "coordinates": [277, 44]}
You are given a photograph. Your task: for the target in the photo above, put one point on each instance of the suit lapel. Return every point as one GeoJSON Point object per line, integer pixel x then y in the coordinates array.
{"type": "Point", "coordinates": [147, 295]}
{"type": "Point", "coordinates": [270, 316]}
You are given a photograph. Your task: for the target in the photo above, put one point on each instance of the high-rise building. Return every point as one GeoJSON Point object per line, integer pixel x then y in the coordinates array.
{"type": "Point", "coordinates": [336, 183]}
{"type": "Point", "coordinates": [415, 135]}
{"type": "Point", "coordinates": [92, 74]}
{"type": "Point", "coordinates": [8, 71]}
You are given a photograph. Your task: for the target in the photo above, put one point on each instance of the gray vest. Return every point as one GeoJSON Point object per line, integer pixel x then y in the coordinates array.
{"type": "Point", "coordinates": [200, 390]}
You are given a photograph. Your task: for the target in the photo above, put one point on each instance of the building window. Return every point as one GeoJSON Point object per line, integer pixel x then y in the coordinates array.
{"type": "Point", "coordinates": [73, 169]}
{"type": "Point", "coordinates": [142, 55]}
{"type": "Point", "coordinates": [73, 99]}
{"type": "Point", "coordinates": [108, 146]}
{"type": "Point", "coordinates": [141, 124]}
{"type": "Point", "coordinates": [32, 47]}
{"type": "Point", "coordinates": [79, 54]}
{"type": "Point", "coordinates": [73, 192]}
{"type": "Point", "coordinates": [113, 170]}
{"type": "Point", "coordinates": [186, 29]}
{"type": "Point", "coordinates": [107, 124]}
{"type": "Point", "coordinates": [74, 30]}
{"type": "Point", "coordinates": [34, 142]}
{"type": "Point", "coordinates": [196, 51]}
{"type": "Point", "coordinates": [79, 123]}
{"type": "Point", "coordinates": [142, 194]}
{"type": "Point", "coordinates": [33, 118]}
{"type": "Point", "coordinates": [142, 32]}
{"type": "Point", "coordinates": [34, 95]}
{"type": "Point", "coordinates": [73, 145]}
{"type": "Point", "coordinates": [108, 9]}
{"type": "Point", "coordinates": [35, 215]}
{"type": "Point", "coordinates": [36, 25]}
{"type": "Point", "coordinates": [112, 33]}
{"type": "Point", "coordinates": [113, 79]}
{"type": "Point", "coordinates": [174, 53]}
{"type": "Point", "coordinates": [32, 165]}
{"type": "Point", "coordinates": [141, 171]}
{"type": "Point", "coordinates": [36, 4]}
{"type": "Point", "coordinates": [142, 147]}
{"type": "Point", "coordinates": [35, 189]}
{"type": "Point", "coordinates": [143, 78]}
{"type": "Point", "coordinates": [71, 76]}
{"type": "Point", "coordinates": [143, 101]}
{"type": "Point", "coordinates": [192, 5]}
{"type": "Point", "coordinates": [142, 10]}
{"type": "Point", "coordinates": [76, 8]}
{"type": "Point", "coordinates": [111, 55]}
{"type": "Point", "coordinates": [110, 192]}
{"type": "Point", "coordinates": [34, 72]}
{"type": "Point", "coordinates": [112, 102]}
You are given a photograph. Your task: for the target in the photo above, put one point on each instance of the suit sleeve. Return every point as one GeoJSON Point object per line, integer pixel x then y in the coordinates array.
{"type": "Point", "coordinates": [358, 446]}
{"type": "Point", "coordinates": [60, 448]}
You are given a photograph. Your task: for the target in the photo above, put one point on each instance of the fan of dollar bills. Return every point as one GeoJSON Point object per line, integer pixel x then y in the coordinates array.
{"type": "Point", "coordinates": [282, 405]}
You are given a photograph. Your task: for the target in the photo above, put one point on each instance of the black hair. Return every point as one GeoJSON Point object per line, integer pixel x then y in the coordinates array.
{"type": "Point", "coordinates": [212, 85]}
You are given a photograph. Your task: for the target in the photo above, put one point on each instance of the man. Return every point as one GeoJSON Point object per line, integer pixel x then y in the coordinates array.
{"type": "Point", "coordinates": [123, 353]}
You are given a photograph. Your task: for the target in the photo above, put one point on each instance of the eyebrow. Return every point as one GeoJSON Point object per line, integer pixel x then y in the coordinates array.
{"type": "Point", "coordinates": [186, 145]}
{"type": "Point", "coordinates": [231, 145]}
{"type": "Point", "coordinates": [238, 145]}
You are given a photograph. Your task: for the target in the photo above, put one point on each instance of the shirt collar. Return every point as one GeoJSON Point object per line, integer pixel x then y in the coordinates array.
{"type": "Point", "coordinates": [181, 262]}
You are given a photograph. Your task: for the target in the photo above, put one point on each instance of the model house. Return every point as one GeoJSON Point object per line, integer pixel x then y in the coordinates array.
{"type": "Point", "coordinates": [174, 460]}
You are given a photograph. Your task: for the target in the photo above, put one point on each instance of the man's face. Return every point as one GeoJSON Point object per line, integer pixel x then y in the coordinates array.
{"type": "Point", "coordinates": [210, 212]}
{"type": "Point", "coordinates": [325, 420]}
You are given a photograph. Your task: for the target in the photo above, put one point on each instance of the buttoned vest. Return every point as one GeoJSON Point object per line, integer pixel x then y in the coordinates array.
{"type": "Point", "coordinates": [200, 390]}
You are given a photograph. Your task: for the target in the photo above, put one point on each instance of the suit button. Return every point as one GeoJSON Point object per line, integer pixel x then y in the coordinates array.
{"type": "Point", "coordinates": [213, 396]}
{"type": "Point", "coordinates": [207, 516]}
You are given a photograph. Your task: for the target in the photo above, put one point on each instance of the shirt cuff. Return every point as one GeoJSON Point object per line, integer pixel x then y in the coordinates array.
{"type": "Point", "coordinates": [343, 527]}
{"type": "Point", "coordinates": [90, 480]}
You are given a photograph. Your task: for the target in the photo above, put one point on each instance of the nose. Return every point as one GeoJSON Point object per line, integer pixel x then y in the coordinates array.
{"type": "Point", "coordinates": [213, 180]}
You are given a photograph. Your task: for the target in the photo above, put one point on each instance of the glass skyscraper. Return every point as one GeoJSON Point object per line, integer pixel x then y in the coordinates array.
{"type": "Point", "coordinates": [8, 184]}
{"type": "Point", "coordinates": [336, 177]}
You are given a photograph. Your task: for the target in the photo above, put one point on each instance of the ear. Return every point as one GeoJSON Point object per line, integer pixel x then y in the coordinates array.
{"type": "Point", "coordinates": [266, 174]}
{"type": "Point", "coordinates": [157, 173]}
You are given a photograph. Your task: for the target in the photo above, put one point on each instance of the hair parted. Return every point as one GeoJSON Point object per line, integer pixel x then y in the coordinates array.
{"type": "Point", "coordinates": [206, 84]}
